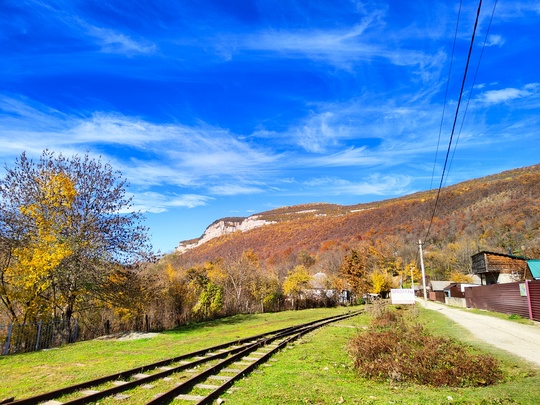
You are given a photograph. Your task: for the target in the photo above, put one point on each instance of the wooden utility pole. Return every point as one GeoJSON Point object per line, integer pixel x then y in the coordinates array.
{"type": "Point", "coordinates": [423, 271]}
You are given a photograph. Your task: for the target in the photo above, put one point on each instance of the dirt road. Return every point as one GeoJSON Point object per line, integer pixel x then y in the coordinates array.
{"type": "Point", "coordinates": [521, 340]}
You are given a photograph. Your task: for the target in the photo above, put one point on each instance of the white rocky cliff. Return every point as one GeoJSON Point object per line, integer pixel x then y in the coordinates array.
{"type": "Point", "coordinates": [223, 227]}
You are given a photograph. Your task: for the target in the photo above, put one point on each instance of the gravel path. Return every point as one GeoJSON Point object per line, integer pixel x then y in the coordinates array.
{"type": "Point", "coordinates": [521, 340]}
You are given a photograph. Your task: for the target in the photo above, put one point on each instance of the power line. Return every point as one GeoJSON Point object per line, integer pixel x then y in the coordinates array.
{"type": "Point", "coordinates": [473, 83]}
{"type": "Point", "coordinates": [455, 117]}
{"type": "Point", "coordinates": [446, 95]}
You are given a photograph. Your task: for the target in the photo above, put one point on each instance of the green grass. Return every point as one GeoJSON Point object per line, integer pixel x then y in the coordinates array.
{"type": "Point", "coordinates": [316, 370]}
{"type": "Point", "coordinates": [513, 317]}
{"type": "Point", "coordinates": [28, 374]}
{"type": "Point", "coordinates": [319, 371]}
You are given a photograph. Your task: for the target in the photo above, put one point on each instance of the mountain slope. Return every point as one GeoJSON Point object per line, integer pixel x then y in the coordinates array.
{"type": "Point", "coordinates": [498, 212]}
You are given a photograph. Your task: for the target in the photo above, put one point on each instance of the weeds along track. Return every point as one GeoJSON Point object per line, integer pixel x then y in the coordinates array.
{"type": "Point", "coordinates": [199, 377]}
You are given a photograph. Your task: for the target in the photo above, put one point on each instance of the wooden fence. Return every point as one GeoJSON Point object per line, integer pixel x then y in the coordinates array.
{"type": "Point", "coordinates": [520, 298]}
{"type": "Point", "coordinates": [18, 338]}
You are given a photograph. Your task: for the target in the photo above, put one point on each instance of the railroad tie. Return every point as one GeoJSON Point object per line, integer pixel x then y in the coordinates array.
{"type": "Point", "coordinates": [207, 386]}
{"type": "Point", "coordinates": [119, 397]}
{"type": "Point", "coordinates": [89, 392]}
{"type": "Point", "coordinates": [219, 377]}
{"type": "Point", "coordinates": [187, 397]}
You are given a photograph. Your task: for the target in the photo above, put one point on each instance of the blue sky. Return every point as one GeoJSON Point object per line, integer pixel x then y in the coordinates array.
{"type": "Point", "coordinates": [232, 107]}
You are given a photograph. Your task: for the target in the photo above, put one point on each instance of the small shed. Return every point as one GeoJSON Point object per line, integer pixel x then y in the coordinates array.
{"type": "Point", "coordinates": [499, 268]}
{"type": "Point", "coordinates": [436, 292]}
{"type": "Point", "coordinates": [454, 290]}
{"type": "Point", "coordinates": [457, 290]}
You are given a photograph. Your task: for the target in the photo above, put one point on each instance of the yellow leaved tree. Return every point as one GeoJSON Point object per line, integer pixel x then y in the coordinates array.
{"type": "Point", "coordinates": [295, 283]}
{"type": "Point", "coordinates": [65, 227]}
{"type": "Point", "coordinates": [45, 246]}
{"type": "Point", "coordinates": [381, 282]}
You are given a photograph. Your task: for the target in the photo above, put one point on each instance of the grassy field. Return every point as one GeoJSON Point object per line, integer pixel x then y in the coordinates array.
{"type": "Point", "coordinates": [316, 370]}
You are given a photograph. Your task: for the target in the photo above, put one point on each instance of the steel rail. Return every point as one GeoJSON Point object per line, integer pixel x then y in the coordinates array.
{"type": "Point", "coordinates": [240, 346]}
{"type": "Point", "coordinates": [287, 336]}
{"type": "Point", "coordinates": [214, 395]}
{"type": "Point", "coordinates": [137, 370]}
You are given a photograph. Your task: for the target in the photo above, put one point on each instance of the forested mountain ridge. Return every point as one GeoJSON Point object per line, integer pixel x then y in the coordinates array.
{"type": "Point", "coordinates": [497, 212]}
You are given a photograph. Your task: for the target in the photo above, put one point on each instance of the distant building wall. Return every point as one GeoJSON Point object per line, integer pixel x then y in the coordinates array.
{"type": "Point", "coordinates": [455, 291]}
{"type": "Point", "coordinates": [456, 302]}
{"type": "Point", "coordinates": [437, 296]}
{"type": "Point", "coordinates": [495, 268]}
{"type": "Point", "coordinates": [534, 299]}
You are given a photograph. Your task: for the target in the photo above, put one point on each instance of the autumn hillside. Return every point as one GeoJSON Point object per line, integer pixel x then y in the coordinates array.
{"type": "Point", "coordinates": [497, 212]}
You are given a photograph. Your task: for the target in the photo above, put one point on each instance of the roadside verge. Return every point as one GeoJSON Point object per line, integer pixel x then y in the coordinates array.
{"type": "Point", "coordinates": [518, 339]}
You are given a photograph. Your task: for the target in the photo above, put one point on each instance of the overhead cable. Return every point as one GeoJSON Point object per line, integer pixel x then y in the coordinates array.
{"type": "Point", "coordinates": [445, 96]}
{"type": "Point", "coordinates": [472, 86]}
{"type": "Point", "coordinates": [455, 118]}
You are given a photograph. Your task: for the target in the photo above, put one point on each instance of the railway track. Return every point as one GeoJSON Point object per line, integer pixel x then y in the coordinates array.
{"type": "Point", "coordinates": [198, 377]}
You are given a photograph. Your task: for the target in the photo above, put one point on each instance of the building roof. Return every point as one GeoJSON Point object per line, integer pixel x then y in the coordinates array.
{"type": "Point", "coordinates": [534, 267]}
{"type": "Point", "coordinates": [439, 285]}
{"type": "Point", "coordinates": [499, 254]}
{"type": "Point", "coordinates": [319, 281]}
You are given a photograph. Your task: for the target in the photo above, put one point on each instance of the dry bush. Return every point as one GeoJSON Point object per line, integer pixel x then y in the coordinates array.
{"type": "Point", "coordinates": [378, 310]}
{"type": "Point", "coordinates": [397, 350]}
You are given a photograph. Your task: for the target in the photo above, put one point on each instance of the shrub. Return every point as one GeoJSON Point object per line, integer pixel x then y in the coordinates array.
{"type": "Point", "coordinates": [397, 350]}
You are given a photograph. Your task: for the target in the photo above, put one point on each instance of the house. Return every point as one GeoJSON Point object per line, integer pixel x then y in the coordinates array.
{"type": "Point", "coordinates": [499, 268]}
{"type": "Point", "coordinates": [320, 287]}
{"type": "Point", "coordinates": [436, 290]}
{"type": "Point", "coordinates": [457, 290]}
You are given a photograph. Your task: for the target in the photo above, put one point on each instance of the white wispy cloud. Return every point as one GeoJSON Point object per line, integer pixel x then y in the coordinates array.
{"type": "Point", "coordinates": [112, 41]}
{"type": "Point", "coordinates": [327, 44]}
{"type": "Point", "coordinates": [217, 152]}
{"type": "Point", "coordinates": [234, 189]}
{"type": "Point", "coordinates": [320, 131]}
{"type": "Point", "coordinates": [155, 173]}
{"type": "Point", "coordinates": [367, 130]}
{"type": "Point", "coordinates": [511, 10]}
{"type": "Point", "coordinates": [509, 94]}
{"type": "Point", "coordinates": [171, 155]}
{"type": "Point", "coordinates": [372, 185]}
{"type": "Point", "coordinates": [341, 49]}
{"type": "Point", "coordinates": [156, 203]}
{"type": "Point", "coordinates": [112, 128]}
{"type": "Point", "coordinates": [18, 112]}
{"type": "Point", "coordinates": [67, 18]}
{"type": "Point", "coordinates": [495, 40]}
{"type": "Point", "coordinates": [344, 48]}
{"type": "Point", "coordinates": [349, 157]}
